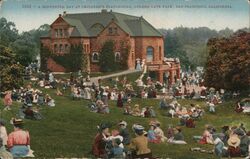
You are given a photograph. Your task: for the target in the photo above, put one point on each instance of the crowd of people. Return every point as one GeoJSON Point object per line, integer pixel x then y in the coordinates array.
{"type": "Point", "coordinates": [119, 144]}
{"type": "Point", "coordinates": [232, 141]}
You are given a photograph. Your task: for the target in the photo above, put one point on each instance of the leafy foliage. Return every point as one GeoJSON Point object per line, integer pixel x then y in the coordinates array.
{"type": "Point", "coordinates": [8, 32]}
{"type": "Point", "coordinates": [26, 45]}
{"type": "Point", "coordinates": [25, 48]}
{"type": "Point", "coordinates": [10, 70]}
{"type": "Point", "coordinates": [107, 57]}
{"type": "Point", "coordinates": [124, 56]}
{"type": "Point", "coordinates": [44, 55]}
{"type": "Point", "coordinates": [228, 64]}
{"type": "Point", "coordinates": [189, 44]}
{"type": "Point", "coordinates": [72, 61]}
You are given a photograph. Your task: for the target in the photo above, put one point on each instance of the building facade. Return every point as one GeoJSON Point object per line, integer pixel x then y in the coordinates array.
{"type": "Point", "coordinates": [92, 30]}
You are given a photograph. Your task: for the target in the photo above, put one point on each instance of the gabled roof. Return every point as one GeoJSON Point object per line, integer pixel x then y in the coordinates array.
{"type": "Point", "coordinates": [85, 22]}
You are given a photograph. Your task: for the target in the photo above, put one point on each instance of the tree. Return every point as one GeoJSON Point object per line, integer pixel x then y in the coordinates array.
{"type": "Point", "coordinates": [189, 44]}
{"type": "Point", "coordinates": [10, 70]}
{"type": "Point", "coordinates": [8, 32]}
{"type": "Point", "coordinates": [173, 49]}
{"type": "Point", "coordinates": [25, 48]}
{"type": "Point", "coordinates": [107, 57]}
{"type": "Point", "coordinates": [228, 64]}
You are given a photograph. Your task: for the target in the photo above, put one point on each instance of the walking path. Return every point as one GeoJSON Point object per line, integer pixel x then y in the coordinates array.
{"type": "Point", "coordinates": [95, 79]}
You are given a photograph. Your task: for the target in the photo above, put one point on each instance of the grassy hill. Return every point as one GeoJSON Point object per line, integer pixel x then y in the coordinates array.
{"type": "Point", "coordinates": [69, 128]}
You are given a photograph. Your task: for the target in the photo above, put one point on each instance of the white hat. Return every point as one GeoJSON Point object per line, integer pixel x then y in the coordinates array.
{"type": "Point", "coordinates": [122, 122]}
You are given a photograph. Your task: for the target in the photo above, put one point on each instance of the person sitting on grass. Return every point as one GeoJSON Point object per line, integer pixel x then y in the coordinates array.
{"type": "Point", "coordinates": [151, 135]}
{"type": "Point", "coordinates": [49, 101]}
{"type": "Point", "coordinates": [58, 92]}
{"type": "Point", "coordinates": [116, 150]}
{"type": "Point", "coordinates": [127, 109]}
{"type": "Point", "coordinates": [158, 131]}
{"type": "Point", "coordinates": [4, 154]}
{"type": "Point", "coordinates": [163, 103]}
{"type": "Point", "coordinates": [32, 113]}
{"type": "Point", "coordinates": [98, 148]}
{"type": "Point", "coordinates": [136, 110]}
{"type": "Point", "coordinates": [207, 137]}
{"type": "Point", "coordinates": [123, 131]}
{"type": "Point", "coordinates": [234, 146]}
{"type": "Point", "coordinates": [178, 137]}
{"type": "Point", "coordinates": [139, 144]}
{"type": "Point", "coordinates": [40, 100]}
{"type": "Point", "coordinates": [19, 140]}
{"type": "Point", "coordinates": [211, 107]}
{"type": "Point", "coordinates": [152, 112]}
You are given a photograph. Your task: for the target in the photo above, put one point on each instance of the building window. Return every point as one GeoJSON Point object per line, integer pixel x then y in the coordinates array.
{"type": "Point", "coordinates": [56, 33]}
{"type": "Point", "coordinates": [60, 48]}
{"type": "Point", "coordinates": [115, 30]}
{"type": "Point", "coordinates": [61, 32]}
{"type": "Point", "coordinates": [65, 33]}
{"type": "Point", "coordinates": [66, 46]}
{"type": "Point", "coordinates": [110, 30]}
{"type": "Point", "coordinates": [95, 57]}
{"type": "Point", "coordinates": [160, 54]}
{"type": "Point", "coordinates": [117, 56]}
{"type": "Point", "coordinates": [150, 53]}
{"type": "Point", "coordinates": [55, 48]}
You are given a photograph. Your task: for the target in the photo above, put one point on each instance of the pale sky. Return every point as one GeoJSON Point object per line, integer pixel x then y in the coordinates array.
{"type": "Point", "coordinates": [215, 14]}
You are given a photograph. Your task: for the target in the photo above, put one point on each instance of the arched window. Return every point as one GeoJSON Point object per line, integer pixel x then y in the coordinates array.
{"type": "Point", "coordinates": [117, 56]}
{"type": "Point", "coordinates": [95, 57]}
{"type": "Point", "coordinates": [55, 48]}
{"type": "Point", "coordinates": [150, 54]}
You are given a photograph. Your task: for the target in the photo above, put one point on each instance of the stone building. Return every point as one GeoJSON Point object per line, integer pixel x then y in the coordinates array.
{"type": "Point", "coordinates": [92, 30]}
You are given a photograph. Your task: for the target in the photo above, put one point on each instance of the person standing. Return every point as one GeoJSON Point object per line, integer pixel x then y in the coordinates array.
{"type": "Point", "coordinates": [7, 100]}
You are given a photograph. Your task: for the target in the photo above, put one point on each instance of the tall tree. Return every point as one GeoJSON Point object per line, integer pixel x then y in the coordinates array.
{"type": "Point", "coordinates": [8, 32]}
{"type": "Point", "coordinates": [10, 70]}
{"type": "Point", "coordinates": [228, 64]}
{"type": "Point", "coordinates": [25, 48]}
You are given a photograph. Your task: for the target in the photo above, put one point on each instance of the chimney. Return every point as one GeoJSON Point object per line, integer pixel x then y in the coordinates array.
{"type": "Point", "coordinates": [60, 15]}
{"type": "Point", "coordinates": [104, 11]}
{"type": "Point", "coordinates": [64, 13]}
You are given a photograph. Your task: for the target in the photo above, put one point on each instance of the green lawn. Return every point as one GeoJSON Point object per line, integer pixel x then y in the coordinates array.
{"type": "Point", "coordinates": [69, 128]}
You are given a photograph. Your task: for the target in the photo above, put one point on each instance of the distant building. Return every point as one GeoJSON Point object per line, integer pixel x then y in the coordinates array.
{"type": "Point", "coordinates": [92, 30]}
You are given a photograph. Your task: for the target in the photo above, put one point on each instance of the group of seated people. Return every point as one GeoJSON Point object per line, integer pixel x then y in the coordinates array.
{"type": "Point", "coordinates": [29, 96]}
{"type": "Point", "coordinates": [232, 141]}
{"type": "Point", "coordinates": [243, 106]}
{"type": "Point", "coordinates": [176, 110]}
{"type": "Point", "coordinates": [118, 143]}
{"type": "Point", "coordinates": [156, 135]}
{"type": "Point", "coordinates": [99, 107]}
{"type": "Point", "coordinates": [146, 112]}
